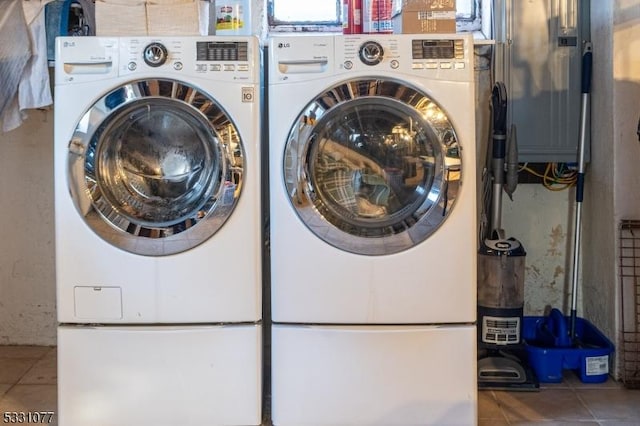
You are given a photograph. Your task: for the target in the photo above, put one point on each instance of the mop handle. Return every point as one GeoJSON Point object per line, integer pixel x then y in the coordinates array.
{"type": "Point", "coordinates": [587, 65]}
{"type": "Point", "coordinates": [587, 60]}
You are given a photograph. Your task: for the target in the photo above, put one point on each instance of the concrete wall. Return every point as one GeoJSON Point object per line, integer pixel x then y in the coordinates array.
{"type": "Point", "coordinates": [542, 221]}
{"type": "Point", "coordinates": [626, 148]}
{"type": "Point", "coordinates": [27, 281]}
{"type": "Point", "coordinates": [626, 96]}
{"type": "Point", "coordinates": [599, 269]}
{"type": "Point", "coordinates": [614, 181]}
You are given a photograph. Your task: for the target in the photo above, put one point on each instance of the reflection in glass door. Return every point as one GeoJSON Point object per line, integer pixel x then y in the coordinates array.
{"type": "Point", "coordinates": [378, 161]}
{"type": "Point", "coordinates": [155, 167]}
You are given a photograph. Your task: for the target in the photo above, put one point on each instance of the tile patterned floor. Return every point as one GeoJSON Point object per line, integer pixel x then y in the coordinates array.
{"type": "Point", "coordinates": [568, 403]}
{"type": "Point", "coordinates": [28, 384]}
{"type": "Point", "coordinates": [27, 381]}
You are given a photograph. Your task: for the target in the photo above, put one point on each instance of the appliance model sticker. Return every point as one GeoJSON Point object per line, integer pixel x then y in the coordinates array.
{"type": "Point", "coordinates": [597, 365]}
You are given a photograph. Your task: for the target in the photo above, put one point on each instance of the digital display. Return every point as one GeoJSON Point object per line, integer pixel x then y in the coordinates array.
{"type": "Point", "coordinates": [221, 51]}
{"type": "Point", "coordinates": [438, 49]}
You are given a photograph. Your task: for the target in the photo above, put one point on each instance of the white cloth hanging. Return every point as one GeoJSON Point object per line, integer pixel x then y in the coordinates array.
{"type": "Point", "coordinates": [33, 90]}
{"type": "Point", "coordinates": [15, 51]}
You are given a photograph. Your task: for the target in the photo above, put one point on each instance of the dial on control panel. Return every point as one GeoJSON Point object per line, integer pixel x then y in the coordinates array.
{"type": "Point", "coordinates": [155, 55]}
{"type": "Point", "coordinates": [371, 53]}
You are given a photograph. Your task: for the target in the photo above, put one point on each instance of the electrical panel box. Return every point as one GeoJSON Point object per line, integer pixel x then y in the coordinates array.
{"type": "Point", "coordinates": [543, 67]}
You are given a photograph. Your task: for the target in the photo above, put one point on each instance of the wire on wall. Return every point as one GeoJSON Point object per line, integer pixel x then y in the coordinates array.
{"type": "Point", "coordinates": [554, 177]}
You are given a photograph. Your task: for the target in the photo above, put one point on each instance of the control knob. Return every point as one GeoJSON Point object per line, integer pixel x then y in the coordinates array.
{"type": "Point", "coordinates": [371, 53]}
{"type": "Point", "coordinates": [155, 54]}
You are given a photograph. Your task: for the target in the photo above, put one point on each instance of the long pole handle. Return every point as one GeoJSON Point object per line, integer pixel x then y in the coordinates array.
{"type": "Point", "coordinates": [498, 154]}
{"type": "Point", "coordinates": [587, 65]}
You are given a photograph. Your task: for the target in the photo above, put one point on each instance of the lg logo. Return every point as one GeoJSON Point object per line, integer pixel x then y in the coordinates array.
{"type": "Point", "coordinates": [283, 45]}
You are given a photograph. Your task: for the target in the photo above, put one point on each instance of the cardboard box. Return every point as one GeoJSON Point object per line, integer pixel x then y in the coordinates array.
{"type": "Point", "coordinates": [425, 16]}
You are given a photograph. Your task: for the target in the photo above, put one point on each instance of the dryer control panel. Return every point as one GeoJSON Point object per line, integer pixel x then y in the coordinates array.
{"type": "Point", "coordinates": [446, 49]}
{"type": "Point", "coordinates": [447, 57]}
{"type": "Point", "coordinates": [434, 56]}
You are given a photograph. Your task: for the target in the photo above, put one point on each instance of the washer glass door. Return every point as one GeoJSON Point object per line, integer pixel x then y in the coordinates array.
{"type": "Point", "coordinates": [372, 166]}
{"type": "Point", "coordinates": [155, 167]}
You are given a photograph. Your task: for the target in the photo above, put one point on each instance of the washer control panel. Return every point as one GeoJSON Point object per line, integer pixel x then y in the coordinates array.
{"type": "Point", "coordinates": [233, 59]}
{"type": "Point", "coordinates": [227, 58]}
{"type": "Point", "coordinates": [222, 56]}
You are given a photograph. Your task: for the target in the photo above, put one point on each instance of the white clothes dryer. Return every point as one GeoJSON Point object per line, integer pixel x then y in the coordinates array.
{"type": "Point", "coordinates": [158, 230]}
{"type": "Point", "coordinates": [373, 229]}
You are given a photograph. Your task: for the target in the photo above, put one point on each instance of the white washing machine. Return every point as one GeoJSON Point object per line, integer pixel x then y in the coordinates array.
{"type": "Point", "coordinates": [373, 230]}
{"type": "Point", "coordinates": [158, 230]}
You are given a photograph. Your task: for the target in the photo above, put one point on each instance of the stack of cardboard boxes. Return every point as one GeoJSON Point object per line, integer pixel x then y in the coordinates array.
{"type": "Point", "coordinates": [424, 16]}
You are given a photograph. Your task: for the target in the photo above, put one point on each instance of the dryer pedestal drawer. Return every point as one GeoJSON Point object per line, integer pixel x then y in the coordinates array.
{"type": "Point", "coordinates": [374, 375]}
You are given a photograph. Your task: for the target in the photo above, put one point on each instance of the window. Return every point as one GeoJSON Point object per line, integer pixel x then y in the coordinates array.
{"type": "Point", "coordinates": [466, 9]}
{"type": "Point", "coordinates": [325, 15]}
{"type": "Point", "coordinates": [468, 14]}
{"type": "Point", "coordinates": [296, 15]}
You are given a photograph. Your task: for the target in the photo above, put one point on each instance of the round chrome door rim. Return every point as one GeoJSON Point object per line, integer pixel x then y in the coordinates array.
{"type": "Point", "coordinates": [429, 201]}
{"type": "Point", "coordinates": [214, 192]}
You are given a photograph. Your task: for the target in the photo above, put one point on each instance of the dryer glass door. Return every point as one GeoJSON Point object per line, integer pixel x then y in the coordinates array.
{"type": "Point", "coordinates": [155, 167]}
{"type": "Point", "coordinates": [373, 166]}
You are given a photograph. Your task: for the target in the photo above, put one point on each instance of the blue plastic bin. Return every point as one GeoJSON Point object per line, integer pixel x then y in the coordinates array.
{"type": "Point", "coordinates": [549, 354]}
